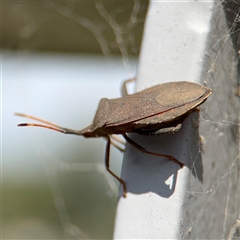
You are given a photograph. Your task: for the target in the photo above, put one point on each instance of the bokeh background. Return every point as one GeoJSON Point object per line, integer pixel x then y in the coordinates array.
{"type": "Point", "coordinates": [58, 60]}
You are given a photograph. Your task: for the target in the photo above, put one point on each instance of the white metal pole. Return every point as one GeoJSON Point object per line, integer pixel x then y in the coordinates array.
{"type": "Point", "coordinates": [184, 40]}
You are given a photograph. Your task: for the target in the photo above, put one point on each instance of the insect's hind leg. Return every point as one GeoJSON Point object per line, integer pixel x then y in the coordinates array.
{"type": "Point", "coordinates": [107, 163]}
{"type": "Point", "coordinates": [175, 128]}
{"type": "Point", "coordinates": [140, 148]}
{"type": "Point", "coordinates": [124, 90]}
{"type": "Point", "coordinates": [168, 130]}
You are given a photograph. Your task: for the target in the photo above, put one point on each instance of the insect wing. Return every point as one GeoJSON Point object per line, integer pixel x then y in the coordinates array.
{"type": "Point", "coordinates": [156, 101]}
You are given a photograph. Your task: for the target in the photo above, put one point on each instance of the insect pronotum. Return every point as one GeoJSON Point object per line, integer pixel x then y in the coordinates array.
{"type": "Point", "coordinates": [157, 110]}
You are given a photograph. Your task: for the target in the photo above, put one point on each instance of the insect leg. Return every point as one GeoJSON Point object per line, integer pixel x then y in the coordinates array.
{"type": "Point", "coordinates": [117, 140]}
{"type": "Point", "coordinates": [107, 154]}
{"type": "Point", "coordinates": [116, 146]}
{"type": "Point", "coordinates": [168, 130]}
{"type": "Point", "coordinates": [140, 148]}
{"type": "Point", "coordinates": [124, 90]}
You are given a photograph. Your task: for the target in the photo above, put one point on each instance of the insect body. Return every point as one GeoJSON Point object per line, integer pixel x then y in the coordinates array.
{"type": "Point", "coordinates": [156, 110]}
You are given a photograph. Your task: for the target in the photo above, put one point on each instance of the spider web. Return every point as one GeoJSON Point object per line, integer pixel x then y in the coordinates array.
{"type": "Point", "coordinates": [124, 43]}
{"type": "Point", "coordinates": [216, 202]}
{"type": "Point", "coordinates": [63, 177]}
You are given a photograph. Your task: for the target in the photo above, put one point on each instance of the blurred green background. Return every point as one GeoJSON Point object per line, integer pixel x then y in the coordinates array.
{"type": "Point", "coordinates": [79, 26]}
{"type": "Point", "coordinates": [58, 60]}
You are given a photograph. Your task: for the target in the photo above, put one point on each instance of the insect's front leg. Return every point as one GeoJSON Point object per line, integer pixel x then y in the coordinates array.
{"type": "Point", "coordinates": [124, 90]}
{"type": "Point", "coordinates": [107, 163]}
{"type": "Point", "coordinates": [117, 140]}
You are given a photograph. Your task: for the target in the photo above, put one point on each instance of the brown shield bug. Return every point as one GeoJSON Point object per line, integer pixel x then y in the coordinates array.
{"type": "Point", "coordinates": [157, 110]}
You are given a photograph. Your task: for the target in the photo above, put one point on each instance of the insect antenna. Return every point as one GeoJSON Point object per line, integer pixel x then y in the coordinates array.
{"type": "Point", "coordinates": [46, 124]}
